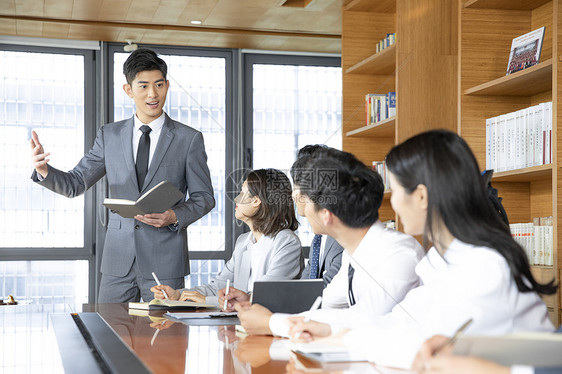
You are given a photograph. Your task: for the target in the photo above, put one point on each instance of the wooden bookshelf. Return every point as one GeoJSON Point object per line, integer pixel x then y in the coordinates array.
{"type": "Point", "coordinates": [535, 173]}
{"type": "Point", "coordinates": [448, 71]}
{"type": "Point", "coordinates": [382, 129]}
{"type": "Point", "coordinates": [380, 6]}
{"type": "Point", "coordinates": [528, 82]}
{"type": "Point", "coordinates": [505, 4]}
{"type": "Point", "coordinates": [487, 28]}
{"type": "Point", "coordinates": [382, 63]}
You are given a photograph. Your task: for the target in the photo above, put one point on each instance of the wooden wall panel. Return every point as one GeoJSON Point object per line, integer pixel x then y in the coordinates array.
{"type": "Point", "coordinates": [516, 200]}
{"type": "Point", "coordinates": [541, 198]}
{"type": "Point", "coordinates": [427, 66]}
{"type": "Point", "coordinates": [542, 16]}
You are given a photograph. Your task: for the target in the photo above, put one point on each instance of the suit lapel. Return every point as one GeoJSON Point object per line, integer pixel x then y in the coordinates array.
{"type": "Point", "coordinates": [127, 146]}
{"type": "Point", "coordinates": [244, 273]}
{"type": "Point", "coordinates": [164, 141]}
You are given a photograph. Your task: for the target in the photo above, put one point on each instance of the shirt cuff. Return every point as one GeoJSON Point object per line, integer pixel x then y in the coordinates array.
{"type": "Point", "coordinates": [212, 300]}
{"type": "Point", "coordinates": [279, 324]}
{"type": "Point", "coordinates": [522, 369]}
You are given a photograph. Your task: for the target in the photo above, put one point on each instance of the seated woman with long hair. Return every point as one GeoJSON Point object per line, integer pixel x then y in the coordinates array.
{"type": "Point", "coordinates": [270, 251]}
{"type": "Point", "coordinates": [475, 270]}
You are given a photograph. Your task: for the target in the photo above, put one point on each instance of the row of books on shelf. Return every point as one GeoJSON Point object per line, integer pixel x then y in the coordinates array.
{"type": "Point", "coordinates": [536, 239]}
{"type": "Point", "coordinates": [380, 167]}
{"type": "Point", "coordinates": [379, 107]}
{"type": "Point", "coordinates": [386, 42]}
{"type": "Point", "coordinates": [520, 139]}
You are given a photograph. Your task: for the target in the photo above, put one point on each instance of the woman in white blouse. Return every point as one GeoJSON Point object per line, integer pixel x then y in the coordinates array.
{"type": "Point", "coordinates": [475, 270]}
{"type": "Point", "coordinates": [270, 251]}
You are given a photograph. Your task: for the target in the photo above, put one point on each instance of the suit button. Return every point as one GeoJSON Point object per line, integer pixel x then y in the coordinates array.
{"type": "Point", "coordinates": [137, 227]}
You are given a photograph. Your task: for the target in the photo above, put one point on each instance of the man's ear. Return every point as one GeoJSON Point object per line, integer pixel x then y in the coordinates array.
{"type": "Point", "coordinates": [328, 217]}
{"type": "Point", "coordinates": [128, 90]}
{"type": "Point", "coordinates": [421, 196]}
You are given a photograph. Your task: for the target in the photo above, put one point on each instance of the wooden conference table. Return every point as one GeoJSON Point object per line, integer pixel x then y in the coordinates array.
{"type": "Point", "coordinates": [138, 343]}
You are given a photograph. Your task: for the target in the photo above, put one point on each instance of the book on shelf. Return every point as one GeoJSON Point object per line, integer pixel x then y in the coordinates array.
{"type": "Point", "coordinates": [166, 304]}
{"type": "Point", "coordinates": [536, 238]}
{"type": "Point", "coordinates": [525, 51]}
{"type": "Point", "coordinates": [379, 107]}
{"type": "Point", "coordinates": [389, 40]}
{"type": "Point", "coordinates": [520, 139]}
{"type": "Point", "coordinates": [158, 199]}
{"type": "Point", "coordinates": [380, 168]}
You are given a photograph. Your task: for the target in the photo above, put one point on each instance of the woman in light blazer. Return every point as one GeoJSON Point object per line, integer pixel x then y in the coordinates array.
{"type": "Point", "coordinates": [270, 251]}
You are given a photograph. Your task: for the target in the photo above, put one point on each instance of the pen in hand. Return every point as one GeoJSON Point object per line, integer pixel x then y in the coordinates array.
{"type": "Point", "coordinates": [158, 283]}
{"type": "Point", "coordinates": [314, 306]}
{"type": "Point", "coordinates": [454, 338]}
{"type": "Point", "coordinates": [226, 293]}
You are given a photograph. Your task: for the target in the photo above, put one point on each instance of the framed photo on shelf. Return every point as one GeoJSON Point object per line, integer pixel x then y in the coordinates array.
{"type": "Point", "coordinates": [525, 51]}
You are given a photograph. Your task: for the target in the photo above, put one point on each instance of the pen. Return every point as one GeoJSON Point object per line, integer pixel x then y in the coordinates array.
{"type": "Point", "coordinates": [454, 338]}
{"type": "Point", "coordinates": [314, 306]}
{"type": "Point", "coordinates": [158, 283]}
{"type": "Point", "coordinates": [226, 293]}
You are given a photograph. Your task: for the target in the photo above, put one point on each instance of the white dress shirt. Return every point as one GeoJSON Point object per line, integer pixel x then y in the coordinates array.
{"type": "Point", "coordinates": [384, 264]}
{"type": "Point", "coordinates": [156, 127]}
{"type": "Point", "coordinates": [468, 282]}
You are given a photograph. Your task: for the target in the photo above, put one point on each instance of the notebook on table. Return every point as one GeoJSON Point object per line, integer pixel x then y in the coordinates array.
{"type": "Point", "coordinates": [287, 296]}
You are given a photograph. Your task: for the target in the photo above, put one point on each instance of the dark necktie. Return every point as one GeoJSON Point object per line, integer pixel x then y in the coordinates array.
{"type": "Point", "coordinates": [142, 155]}
{"type": "Point", "coordinates": [315, 256]}
{"type": "Point", "coordinates": [350, 272]}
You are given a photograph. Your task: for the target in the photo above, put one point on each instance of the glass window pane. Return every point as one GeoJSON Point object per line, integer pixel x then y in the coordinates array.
{"type": "Point", "coordinates": [45, 282]}
{"type": "Point", "coordinates": [295, 106]}
{"type": "Point", "coordinates": [196, 98]}
{"type": "Point", "coordinates": [42, 92]}
{"type": "Point", "coordinates": [202, 271]}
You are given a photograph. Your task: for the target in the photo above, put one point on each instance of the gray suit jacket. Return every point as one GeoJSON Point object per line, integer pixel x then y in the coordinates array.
{"type": "Point", "coordinates": [179, 158]}
{"type": "Point", "coordinates": [330, 261]}
{"type": "Point", "coordinates": [283, 259]}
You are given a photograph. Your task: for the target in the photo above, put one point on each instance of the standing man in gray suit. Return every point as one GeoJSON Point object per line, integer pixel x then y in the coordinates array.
{"type": "Point", "coordinates": [136, 154]}
{"type": "Point", "coordinates": [325, 253]}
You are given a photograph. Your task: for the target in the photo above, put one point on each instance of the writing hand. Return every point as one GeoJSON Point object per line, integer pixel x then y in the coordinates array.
{"type": "Point", "coordinates": [172, 293]}
{"type": "Point", "coordinates": [427, 350]}
{"type": "Point", "coordinates": [254, 318]}
{"type": "Point", "coordinates": [234, 296]}
{"type": "Point", "coordinates": [38, 156]}
{"type": "Point", "coordinates": [308, 331]}
{"type": "Point", "coordinates": [193, 296]}
{"type": "Point", "coordinates": [158, 219]}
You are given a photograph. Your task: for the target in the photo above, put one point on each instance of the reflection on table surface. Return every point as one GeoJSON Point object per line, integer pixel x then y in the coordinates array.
{"type": "Point", "coordinates": [28, 344]}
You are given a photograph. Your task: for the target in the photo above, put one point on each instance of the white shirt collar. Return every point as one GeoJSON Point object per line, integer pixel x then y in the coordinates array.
{"type": "Point", "coordinates": [155, 125]}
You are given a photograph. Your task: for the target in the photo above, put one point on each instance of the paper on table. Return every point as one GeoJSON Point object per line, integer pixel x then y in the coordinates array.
{"type": "Point", "coordinates": [201, 315]}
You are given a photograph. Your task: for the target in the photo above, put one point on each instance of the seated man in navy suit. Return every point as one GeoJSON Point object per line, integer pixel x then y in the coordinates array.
{"type": "Point", "coordinates": [325, 253]}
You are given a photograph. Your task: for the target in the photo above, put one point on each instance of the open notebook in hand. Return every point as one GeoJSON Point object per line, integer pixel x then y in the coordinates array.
{"type": "Point", "coordinates": [160, 304]}
{"type": "Point", "coordinates": [158, 199]}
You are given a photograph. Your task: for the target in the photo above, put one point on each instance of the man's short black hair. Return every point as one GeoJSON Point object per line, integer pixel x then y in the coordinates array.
{"type": "Point", "coordinates": [143, 60]}
{"type": "Point", "coordinates": [339, 182]}
{"type": "Point", "coordinates": [302, 157]}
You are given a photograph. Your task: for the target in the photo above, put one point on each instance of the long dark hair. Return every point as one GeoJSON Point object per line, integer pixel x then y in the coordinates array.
{"type": "Point", "coordinates": [276, 211]}
{"type": "Point", "coordinates": [443, 162]}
